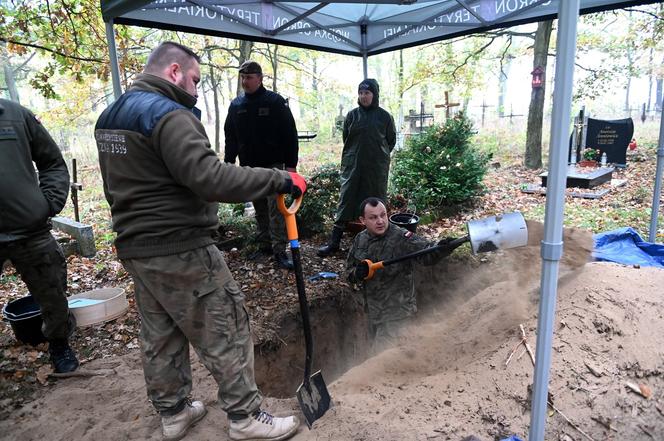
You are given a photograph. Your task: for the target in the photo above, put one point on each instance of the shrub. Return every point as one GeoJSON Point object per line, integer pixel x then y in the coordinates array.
{"type": "Point", "coordinates": [320, 201]}
{"type": "Point", "coordinates": [440, 166]}
{"type": "Point", "coordinates": [235, 230]}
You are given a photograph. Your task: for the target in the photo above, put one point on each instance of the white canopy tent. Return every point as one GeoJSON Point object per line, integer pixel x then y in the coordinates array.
{"type": "Point", "coordinates": [361, 28]}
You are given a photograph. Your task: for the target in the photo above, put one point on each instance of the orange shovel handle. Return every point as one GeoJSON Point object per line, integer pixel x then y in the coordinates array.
{"type": "Point", "coordinates": [289, 215]}
{"type": "Point", "coordinates": [372, 268]}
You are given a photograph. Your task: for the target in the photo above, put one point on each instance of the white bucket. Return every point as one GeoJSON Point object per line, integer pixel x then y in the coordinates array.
{"type": "Point", "coordinates": [498, 232]}
{"type": "Point", "coordinates": [98, 305]}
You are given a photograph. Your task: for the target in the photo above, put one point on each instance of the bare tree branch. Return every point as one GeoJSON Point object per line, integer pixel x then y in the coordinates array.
{"type": "Point", "coordinates": [62, 54]}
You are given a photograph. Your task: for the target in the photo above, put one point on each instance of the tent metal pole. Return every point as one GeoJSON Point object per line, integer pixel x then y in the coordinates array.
{"type": "Point", "coordinates": [112, 52]}
{"type": "Point", "coordinates": [365, 50]}
{"type": "Point", "coordinates": [552, 245]}
{"type": "Point", "coordinates": [657, 194]}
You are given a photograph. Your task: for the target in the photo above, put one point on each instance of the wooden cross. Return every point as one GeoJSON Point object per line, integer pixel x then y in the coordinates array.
{"type": "Point", "coordinates": [484, 106]}
{"type": "Point", "coordinates": [511, 115]}
{"type": "Point", "coordinates": [447, 105]}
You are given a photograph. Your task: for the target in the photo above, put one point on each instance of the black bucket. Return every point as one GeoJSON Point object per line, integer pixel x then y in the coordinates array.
{"type": "Point", "coordinates": [408, 221]}
{"type": "Point", "coordinates": [25, 318]}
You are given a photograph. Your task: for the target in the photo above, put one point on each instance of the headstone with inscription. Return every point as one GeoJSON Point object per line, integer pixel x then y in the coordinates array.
{"type": "Point", "coordinates": [612, 137]}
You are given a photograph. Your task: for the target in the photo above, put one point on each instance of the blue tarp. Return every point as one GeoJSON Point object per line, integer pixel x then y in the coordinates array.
{"type": "Point", "coordinates": [624, 245]}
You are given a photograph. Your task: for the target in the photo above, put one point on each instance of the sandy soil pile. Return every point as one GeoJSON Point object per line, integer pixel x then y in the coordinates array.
{"type": "Point", "coordinates": [448, 378]}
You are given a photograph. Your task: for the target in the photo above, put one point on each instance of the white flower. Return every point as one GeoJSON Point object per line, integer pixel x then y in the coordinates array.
{"type": "Point", "coordinates": [427, 149]}
{"type": "Point", "coordinates": [458, 164]}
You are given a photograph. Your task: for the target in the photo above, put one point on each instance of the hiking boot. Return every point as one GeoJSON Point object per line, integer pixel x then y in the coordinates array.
{"type": "Point", "coordinates": [261, 426]}
{"type": "Point", "coordinates": [283, 261]}
{"type": "Point", "coordinates": [63, 358]}
{"type": "Point", "coordinates": [175, 427]}
{"type": "Point", "coordinates": [333, 244]}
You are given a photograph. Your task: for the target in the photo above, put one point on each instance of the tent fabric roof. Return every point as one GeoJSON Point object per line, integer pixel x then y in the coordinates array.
{"type": "Point", "coordinates": [349, 27]}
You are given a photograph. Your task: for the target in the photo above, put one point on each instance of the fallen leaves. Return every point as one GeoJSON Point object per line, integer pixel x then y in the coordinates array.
{"type": "Point", "coordinates": [640, 389]}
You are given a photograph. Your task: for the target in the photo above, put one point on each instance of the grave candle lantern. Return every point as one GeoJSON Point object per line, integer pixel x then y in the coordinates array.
{"type": "Point", "coordinates": [538, 77]}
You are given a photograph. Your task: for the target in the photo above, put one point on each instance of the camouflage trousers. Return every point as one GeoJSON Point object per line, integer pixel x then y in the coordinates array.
{"type": "Point", "coordinates": [43, 268]}
{"type": "Point", "coordinates": [191, 297]}
{"type": "Point", "coordinates": [386, 334]}
{"type": "Point", "coordinates": [270, 222]}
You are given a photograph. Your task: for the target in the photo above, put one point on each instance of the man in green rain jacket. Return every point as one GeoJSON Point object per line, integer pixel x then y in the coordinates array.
{"type": "Point", "coordinates": [369, 136]}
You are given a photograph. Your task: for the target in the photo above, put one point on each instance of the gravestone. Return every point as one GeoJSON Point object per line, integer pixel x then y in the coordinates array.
{"type": "Point", "coordinates": [611, 137]}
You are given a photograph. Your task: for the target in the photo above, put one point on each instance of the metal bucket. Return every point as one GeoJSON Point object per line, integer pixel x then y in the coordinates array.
{"type": "Point", "coordinates": [408, 221]}
{"type": "Point", "coordinates": [498, 232]}
{"type": "Point", "coordinates": [25, 318]}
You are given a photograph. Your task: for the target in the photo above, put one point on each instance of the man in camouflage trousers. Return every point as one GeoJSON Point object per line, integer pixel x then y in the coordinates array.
{"type": "Point", "coordinates": [27, 202]}
{"type": "Point", "coordinates": [161, 179]}
{"type": "Point", "coordinates": [390, 293]}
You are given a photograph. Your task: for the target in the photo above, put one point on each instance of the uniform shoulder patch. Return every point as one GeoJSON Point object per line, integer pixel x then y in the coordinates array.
{"type": "Point", "coordinates": [408, 234]}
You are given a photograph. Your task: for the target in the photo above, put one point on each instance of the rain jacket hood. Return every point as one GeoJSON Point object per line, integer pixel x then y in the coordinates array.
{"type": "Point", "coordinates": [372, 86]}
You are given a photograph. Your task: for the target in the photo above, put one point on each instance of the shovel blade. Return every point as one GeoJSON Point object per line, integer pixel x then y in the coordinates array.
{"type": "Point", "coordinates": [314, 398]}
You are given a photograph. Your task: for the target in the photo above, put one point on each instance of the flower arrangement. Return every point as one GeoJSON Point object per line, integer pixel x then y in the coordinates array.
{"type": "Point", "coordinates": [590, 154]}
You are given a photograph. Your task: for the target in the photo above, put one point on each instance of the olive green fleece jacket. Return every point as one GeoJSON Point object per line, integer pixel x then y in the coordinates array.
{"type": "Point", "coordinates": [28, 199]}
{"type": "Point", "coordinates": [161, 177]}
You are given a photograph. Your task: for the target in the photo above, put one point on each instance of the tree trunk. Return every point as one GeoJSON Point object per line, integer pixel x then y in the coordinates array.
{"type": "Point", "coordinates": [650, 74]}
{"type": "Point", "coordinates": [401, 90]}
{"type": "Point", "coordinates": [208, 111]}
{"type": "Point", "coordinates": [533, 156]}
{"type": "Point", "coordinates": [9, 80]}
{"type": "Point", "coordinates": [275, 65]}
{"type": "Point", "coordinates": [628, 83]}
{"type": "Point", "coordinates": [502, 89]}
{"type": "Point", "coordinates": [245, 53]}
{"type": "Point", "coordinates": [659, 92]}
{"type": "Point", "coordinates": [8, 71]}
{"type": "Point", "coordinates": [214, 84]}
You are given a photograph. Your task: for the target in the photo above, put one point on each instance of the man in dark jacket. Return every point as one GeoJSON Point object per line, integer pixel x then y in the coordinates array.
{"type": "Point", "coordinates": [260, 129]}
{"type": "Point", "coordinates": [28, 200]}
{"type": "Point", "coordinates": [161, 179]}
{"type": "Point", "coordinates": [369, 136]}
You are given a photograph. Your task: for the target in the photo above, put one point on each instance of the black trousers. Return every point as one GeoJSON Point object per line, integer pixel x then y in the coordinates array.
{"type": "Point", "coordinates": [42, 266]}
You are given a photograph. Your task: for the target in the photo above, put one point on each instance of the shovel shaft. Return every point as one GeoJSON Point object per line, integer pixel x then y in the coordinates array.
{"type": "Point", "coordinates": [452, 245]}
{"type": "Point", "coordinates": [304, 311]}
{"type": "Point", "coordinates": [291, 230]}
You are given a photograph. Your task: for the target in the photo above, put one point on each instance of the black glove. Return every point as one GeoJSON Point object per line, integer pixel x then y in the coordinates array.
{"type": "Point", "coordinates": [361, 271]}
{"type": "Point", "coordinates": [445, 246]}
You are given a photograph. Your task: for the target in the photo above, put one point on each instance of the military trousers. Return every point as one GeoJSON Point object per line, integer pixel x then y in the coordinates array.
{"type": "Point", "coordinates": [386, 334]}
{"type": "Point", "coordinates": [42, 266]}
{"type": "Point", "coordinates": [186, 298]}
{"type": "Point", "coordinates": [270, 222]}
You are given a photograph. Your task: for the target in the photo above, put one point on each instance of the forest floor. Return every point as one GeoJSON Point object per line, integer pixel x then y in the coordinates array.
{"type": "Point", "coordinates": [447, 379]}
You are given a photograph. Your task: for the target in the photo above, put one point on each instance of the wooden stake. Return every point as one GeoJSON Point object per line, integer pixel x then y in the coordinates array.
{"type": "Point", "coordinates": [525, 342]}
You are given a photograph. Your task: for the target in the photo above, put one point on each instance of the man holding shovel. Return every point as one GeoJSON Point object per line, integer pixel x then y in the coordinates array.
{"type": "Point", "coordinates": [390, 294]}
{"type": "Point", "coordinates": [162, 181]}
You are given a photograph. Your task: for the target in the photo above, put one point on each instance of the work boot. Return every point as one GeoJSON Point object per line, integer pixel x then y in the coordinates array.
{"type": "Point", "coordinates": [333, 244]}
{"type": "Point", "coordinates": [261, 426]}
{"type": "Point", "coordinates": [283, 261]}
{"type": "Point", "coordinates": [174, 427]}
{"type": "Point", "coordinates": [63, 358]}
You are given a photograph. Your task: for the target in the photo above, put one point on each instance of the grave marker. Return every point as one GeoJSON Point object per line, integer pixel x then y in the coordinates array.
{"type": "Point", "coordinates": [611, 137]}
{"type": "Point", "coordinates": [447, 105]}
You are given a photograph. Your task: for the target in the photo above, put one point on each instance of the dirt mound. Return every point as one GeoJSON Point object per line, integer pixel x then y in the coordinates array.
{"type": "Point", "coordinates": [448, 378]}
